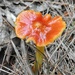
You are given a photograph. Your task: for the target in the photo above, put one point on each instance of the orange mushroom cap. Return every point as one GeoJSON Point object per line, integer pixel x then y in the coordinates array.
{"type": "Point", "coordinates": [42, 30]}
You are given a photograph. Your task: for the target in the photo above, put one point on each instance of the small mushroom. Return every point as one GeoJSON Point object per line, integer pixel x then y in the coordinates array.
{"type": "Point", "coordinates": [41, 29]}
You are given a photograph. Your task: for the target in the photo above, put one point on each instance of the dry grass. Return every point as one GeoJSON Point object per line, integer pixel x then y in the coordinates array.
{"type": "Point", "coordinates": [59, 56]}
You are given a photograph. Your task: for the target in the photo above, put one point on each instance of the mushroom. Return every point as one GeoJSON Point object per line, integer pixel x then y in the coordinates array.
{"type": "Point", "coordinates": [41, 29]}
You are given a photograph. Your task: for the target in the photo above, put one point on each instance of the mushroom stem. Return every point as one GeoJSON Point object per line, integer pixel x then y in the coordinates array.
{"type": "Point", "coordinates": [39, 59]}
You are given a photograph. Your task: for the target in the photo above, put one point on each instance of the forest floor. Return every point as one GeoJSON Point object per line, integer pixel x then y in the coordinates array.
{"type": "Point", "coordinates": [17, 57]}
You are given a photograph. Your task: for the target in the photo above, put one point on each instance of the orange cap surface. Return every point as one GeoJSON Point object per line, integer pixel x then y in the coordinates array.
{"type": "Point", "coordinates": [42, 30]}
